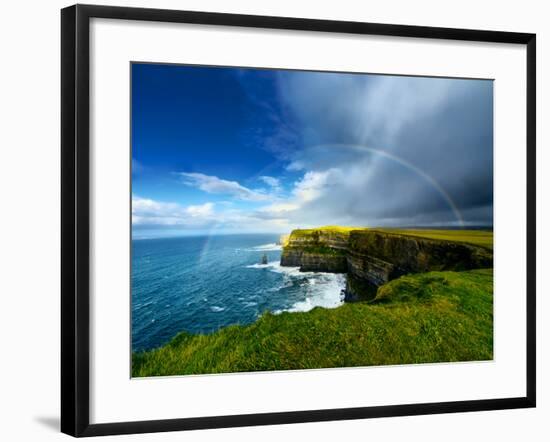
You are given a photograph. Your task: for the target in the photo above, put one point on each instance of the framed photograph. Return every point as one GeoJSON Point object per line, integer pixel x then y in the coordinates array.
{"type": "Point", "coordinates": [272, 220]}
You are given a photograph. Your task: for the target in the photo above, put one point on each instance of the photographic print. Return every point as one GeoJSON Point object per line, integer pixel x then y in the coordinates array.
{"type": "Point", "coordinates": [288, 220]}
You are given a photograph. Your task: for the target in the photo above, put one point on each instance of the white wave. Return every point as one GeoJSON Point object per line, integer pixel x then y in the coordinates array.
{"type": "Point", "coordinates": [275, 266]}
{"type": "Point", "coordinates": [258, 266]}
{"type": "Point", "coordinates": [216, 309]}
{"type": "Point", "coordinates": [322, 289]}
{"type": "Point", "coordinates": [325, 292]}
{"type": "Point", "coordinates": [250, 304]}
{"type": "Point", "coordinates": [266, 248]}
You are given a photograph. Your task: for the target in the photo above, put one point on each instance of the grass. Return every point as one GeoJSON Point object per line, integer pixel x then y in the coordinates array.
{"type": "Point", "coordinates": [482, 238]}
{"type": "Point", "coordinates": [336, 229]}
{"type": "Point", "coordinates": [342, 230]}
{"type": "Point", "coordinates": [429, 317]}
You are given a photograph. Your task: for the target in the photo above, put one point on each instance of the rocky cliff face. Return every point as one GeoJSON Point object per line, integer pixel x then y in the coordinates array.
{"type": "Point", "coordinates": [314, 261]}
{"type": "Point", "coordinates": [371, 258]}
{"type": "Point", "coordinates": [316, 250]}
{"type": "Point", "coordinates": [337, 240]}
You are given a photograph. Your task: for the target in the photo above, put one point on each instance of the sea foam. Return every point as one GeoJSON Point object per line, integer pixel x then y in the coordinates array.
{"type": "Point", "coordinates": [322, 289]}
{"type": "Point", "coordinates": [272, 247]}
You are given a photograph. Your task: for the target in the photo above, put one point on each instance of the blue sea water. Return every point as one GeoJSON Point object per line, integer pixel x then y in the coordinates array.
{"type": "Point", "coordinates": [201, 284]}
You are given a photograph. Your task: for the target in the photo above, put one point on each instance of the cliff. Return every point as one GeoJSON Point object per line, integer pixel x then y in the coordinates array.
{"type": "Point", "coordinates": [371, 258]}
{"type": "Point", "coordinates": [316, 250]}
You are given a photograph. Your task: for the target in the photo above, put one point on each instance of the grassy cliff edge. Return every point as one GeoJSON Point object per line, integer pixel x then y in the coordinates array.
{"type": "Point", "coordinates": [422, 318]}
{"type": "Point", "coordinates": [480, 238]}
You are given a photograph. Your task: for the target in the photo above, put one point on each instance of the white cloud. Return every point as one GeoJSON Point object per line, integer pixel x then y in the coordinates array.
{"type": "Point", "coordinates": [279, 209]}
{"type": "Point", "coordinates": [150, 212]}
{"type": "Point", "coordinates": [205, 209]}
{"type": "Point", "coordinates": [148, 207]}
{"type": "Point", "coordinates": [213, 184]}
{"type": "Point", "coordinates": [309, 188]}
{"type": "Point", "coordinates": [271, 181]}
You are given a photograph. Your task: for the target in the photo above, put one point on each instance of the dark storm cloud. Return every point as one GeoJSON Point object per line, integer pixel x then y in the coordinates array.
{"type": "Point", "coordinates": [391, 150]}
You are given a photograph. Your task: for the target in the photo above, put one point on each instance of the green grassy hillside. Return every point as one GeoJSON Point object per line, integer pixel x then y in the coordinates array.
{"type": "Point", "coordinates": [429, 317]}
{"type": "Point", "coordinates": [482, 238]}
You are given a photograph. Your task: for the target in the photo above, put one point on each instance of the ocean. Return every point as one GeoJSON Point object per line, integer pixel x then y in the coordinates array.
{"type": "Point", "coordinates": [202, 284]}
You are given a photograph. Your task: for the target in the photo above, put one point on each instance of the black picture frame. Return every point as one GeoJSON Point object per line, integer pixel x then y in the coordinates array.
{"type": "Point", "coordinates": [75, 212]}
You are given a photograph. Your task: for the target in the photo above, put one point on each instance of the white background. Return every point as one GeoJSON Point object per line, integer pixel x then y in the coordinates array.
{"type": "Point", "coordinates": [29, 183]}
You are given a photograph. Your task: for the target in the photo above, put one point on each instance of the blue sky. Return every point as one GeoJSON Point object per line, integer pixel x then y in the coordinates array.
{"type": "Point", "coordinates": [229, 150]}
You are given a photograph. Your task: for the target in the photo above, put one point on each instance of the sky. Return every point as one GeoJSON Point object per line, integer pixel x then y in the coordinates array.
{"type": "Point", "coordinates": [242, 150]}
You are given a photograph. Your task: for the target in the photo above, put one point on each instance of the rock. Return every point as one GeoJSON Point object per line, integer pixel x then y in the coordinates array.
{"type": "Point", "coordinates": [371, 258]}
{"type": "Point", "coordinates": [291, 257]}
{"type": "Point", "coordinates": [314, 261]}
{"type": "Point", "coordinates": [358, 289]}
